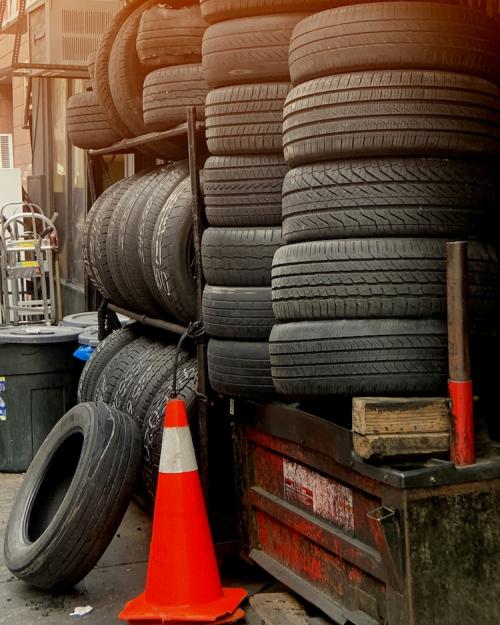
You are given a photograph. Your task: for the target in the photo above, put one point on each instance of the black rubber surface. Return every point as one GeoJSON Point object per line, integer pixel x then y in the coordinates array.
{"type": "Point", "coordinates": [240, 368]}
{"type": "Point", "coordinates": [379, 113]}
{"type": "Point", "coordinates": [219, 10]}
{"type": "Point", "coordinates": [395, 35]}
{"type": "Point", "coordinates": [152, 428]}
{"type": "Point", "coordinates": [379, 356]}
{"type": "Point", "coordinates": [391, 197]}
{"type": "Point", "coordinates": [246, 119]}
{"type": "Point", "coordinates": [88, 126]}
{"type": "Point", "coordinates": [239, 257]}
{"type": "Point", "coordinates": [95, 365]}
{"type": "Point", "coordinates": [249, 50]}
{"type": "Point", "coordinates": [73, 497]}
{"type": "Point", "coordinates": [169, 91]}
{"type": "Point", "coordinates": [244, 190]}
{"type": "Point", "coordinates": [238, 313]}
{"type": "Point", "coordinates": [169, 36]}
{"type": "Point", "coordinates": [173, 254]}
{"type": "Point", "coordinates": [377, 278]}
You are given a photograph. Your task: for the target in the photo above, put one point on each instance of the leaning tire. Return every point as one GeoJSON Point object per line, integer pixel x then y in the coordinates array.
{"type": "Point", "coordinates": [88, 127]}
{"type": "Point", "coordinates": [238, 313]}
{"type": "Point", "coordinates": [391, 113]}
{"type": "Point", "coordinates": [376, 278]}
{"type": "Point", "coordinates": [73, 497]}
{"type": "Point", "coordinates": [170, 36]}
{"type": "Point", "coordinates": [240, 369]}
{"type": "Point", "coordinates": [390, 197]}
{"type": "Point", "coordinates": [246, 120]}
{"type": "Point", "coordinates": [249, 50]}
{"type": "Point", "coordinates": [328, 358]}
{"type": "Point", "coordinates": [240, 257]}
{"type": "Point", "coordinates": [169, 91]}
{"type": "Point", "coordinates": [395, 35]}
{"type": "Point", "coordinates": [244, 190]}
{"type": "Point", "coordinates": [100, 358]}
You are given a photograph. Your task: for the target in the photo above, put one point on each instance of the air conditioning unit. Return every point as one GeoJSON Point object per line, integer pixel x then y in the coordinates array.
{"type": "Point", "coordinates": [64, 32]}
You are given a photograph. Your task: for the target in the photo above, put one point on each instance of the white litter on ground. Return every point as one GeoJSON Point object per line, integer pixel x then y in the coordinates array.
{"type": "Point", "coordinates": [82, 611]}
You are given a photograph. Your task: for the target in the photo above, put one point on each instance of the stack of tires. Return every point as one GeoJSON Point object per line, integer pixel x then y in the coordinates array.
{"type": "Point", "coordinates": [169, 45]}
{"type": "Point", "coordinates": [132, 371]}
{"type": "Point", "coordinates": [137, 243]}
{"type": "Point", "coordinates": [245, 61]}
{"type": "Point", "coordinates": [391, 130]}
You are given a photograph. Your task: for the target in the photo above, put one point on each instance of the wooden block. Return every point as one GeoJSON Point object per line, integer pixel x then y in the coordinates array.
{"type": "Point", "coordinates": [387, 445]}
{"type": "Point", "coordinates": [394, 415]}
{"type": "Point", "coordinates": [279, 608]}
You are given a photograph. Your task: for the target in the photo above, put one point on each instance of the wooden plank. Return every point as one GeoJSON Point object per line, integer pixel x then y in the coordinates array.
{"type": "Point", "coordinates": [394, 415]}
{"type": "Point", "coordinates": [279, 608]}
{"type": "Point", "coordinates": [387, 445]}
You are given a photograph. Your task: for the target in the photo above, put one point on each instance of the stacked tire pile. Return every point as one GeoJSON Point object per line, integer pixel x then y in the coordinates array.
{"type": "Point", "coordinates": [245, 61]}
{"type": "Point", "coordinates": [132, 371]}
{"type": "Point", "coordinates": [127, 98]}
{"type": "Point", "coordinates": [392, 130]}
{"type": "Point", "coordinates": [137, 243]}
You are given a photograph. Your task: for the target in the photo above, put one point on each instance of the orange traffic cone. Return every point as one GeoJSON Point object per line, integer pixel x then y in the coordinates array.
{"type": "Point", "coordinates": [183, 582]}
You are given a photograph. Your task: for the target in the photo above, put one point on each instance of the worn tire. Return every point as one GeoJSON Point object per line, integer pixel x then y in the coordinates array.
{"type": "Point", "coordinates": [98, 361]}
{"type": "Point", "coordinates": [395, 35]}
{"type": "Point", "coordinates": [238, 313]}
{"type": "Point", "coordinates": [249, 50]}
{"type": "Point", "coordinates": [99, 236]}
{"type": "Point", "coordinates": [390, 197]}
{"type": "Point", "coordinates": [102, 73]}
{"type": "Point", "coordinates": [391, 113]}
{"type": "Point", "coordinates": [170, 36]}
{"type": "Point", "coordinates": [246, 120]}
{"type": "Point", "coordinates": [152, 428]}
{"type": "Point", "coordinates": [158, 196]}
{"type": "Point", "coordinates": [169, 91]}
{"type": "Point", "coordinates": [127, 76]}
{"type": "Point", "coordinates": [240, 368]}
{"type": "Point", "coordinates": [73, 497]}
{"type": "Point", "coordinates": [220, 10]}
{"type": "Point", "coordinates": [244, 190]}
{"type": "Point", "coordinates": [88, 127]}
{"type": "Point", "coordinates": [363, 356]}
{"type": "Point", "coordinates": [173, 254]}
{"type": "Point", "coordinates": [239, 257]}
{"type": "Point", "coordinates": [118, 366]}
{"type": "Point", "coordinates": [138, 387]}
{"type": "Point", "coordinates": [377, 278]}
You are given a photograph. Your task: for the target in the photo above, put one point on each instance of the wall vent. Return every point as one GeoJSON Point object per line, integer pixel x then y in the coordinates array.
{"type": "Point", "coordinates": [6, 152]}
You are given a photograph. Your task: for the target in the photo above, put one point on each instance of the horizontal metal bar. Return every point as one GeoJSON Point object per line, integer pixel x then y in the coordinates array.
{"type": "Point", "coordinates": [161, 324]}
{"type": "Point", "coordinates": [127, 145]}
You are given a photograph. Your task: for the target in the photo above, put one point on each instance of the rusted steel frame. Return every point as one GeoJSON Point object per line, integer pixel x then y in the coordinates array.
{"type": "Point", "coordinates": [460, 382]}
{"type": "Point", "coordinates": [310, 592]}
{"type": "Point", "coordinates": [321, 532]}
{"type": "Point", "coordinates": [128, 145]}
{"type": "Point", "coordinates": [198, 213]}
{"type": "Point", "coordinates": [161, 324]}
{"type": "Point", "coordinates": [314, 460]}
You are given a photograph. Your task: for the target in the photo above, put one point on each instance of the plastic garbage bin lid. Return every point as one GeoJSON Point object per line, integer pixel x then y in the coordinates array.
{"type": "Point", "coordinates": [87, 320]}
{"type": "Point", "coordinates": [37, 334]}
{"type": "Point", "coordinates": [89, 337]}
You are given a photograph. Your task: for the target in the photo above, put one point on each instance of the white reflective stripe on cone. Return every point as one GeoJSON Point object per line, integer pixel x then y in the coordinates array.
{"type": "Point", "coordinates": [177, 452]}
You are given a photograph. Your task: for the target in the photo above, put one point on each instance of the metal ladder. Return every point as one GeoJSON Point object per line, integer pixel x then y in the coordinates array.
{"type": "Point", "coordinates": [28, 246]}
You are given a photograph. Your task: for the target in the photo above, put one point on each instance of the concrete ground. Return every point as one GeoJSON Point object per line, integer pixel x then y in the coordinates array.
{"type": "Point", "coordinates": [118, 577]}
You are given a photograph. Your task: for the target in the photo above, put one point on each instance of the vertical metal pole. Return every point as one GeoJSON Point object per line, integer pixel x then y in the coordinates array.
{"type": "Point", "coordinates": [198, 228]}
{"type": "Point", "coordinates": [460, 382]}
